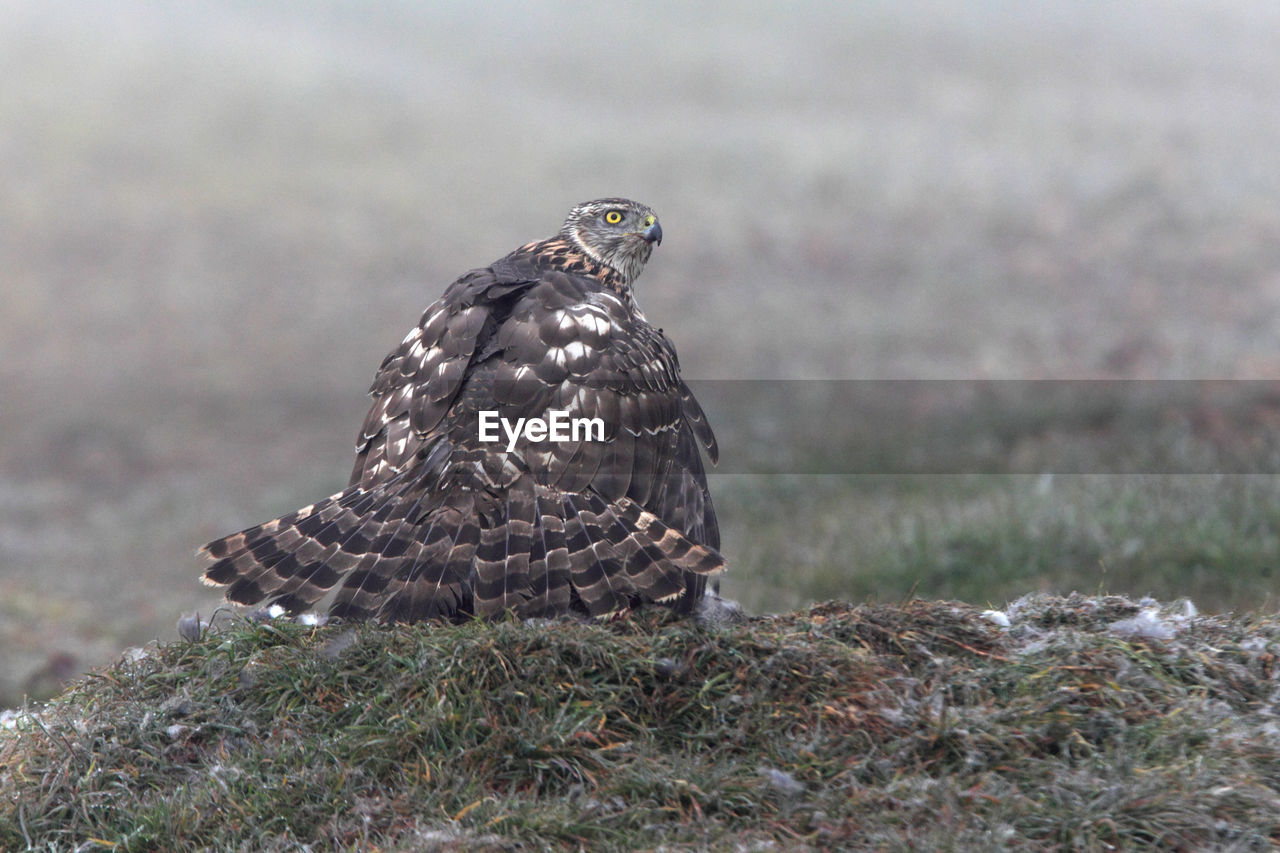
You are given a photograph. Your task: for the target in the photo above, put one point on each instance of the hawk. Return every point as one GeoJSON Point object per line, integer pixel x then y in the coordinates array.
{"type": "Point", "coordinates": [438, 523]}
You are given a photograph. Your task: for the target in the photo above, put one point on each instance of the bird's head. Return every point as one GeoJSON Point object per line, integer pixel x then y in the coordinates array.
{"type": "Point", "coordinates": [616, 232]}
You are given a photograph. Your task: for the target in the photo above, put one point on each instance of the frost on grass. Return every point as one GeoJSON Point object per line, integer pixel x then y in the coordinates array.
{"type": "Point", "coordinates": [1091, 722]}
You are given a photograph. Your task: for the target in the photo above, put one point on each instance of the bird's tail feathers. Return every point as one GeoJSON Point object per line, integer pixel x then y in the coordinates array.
{"type": "Point", "coordinates": [394, 557]}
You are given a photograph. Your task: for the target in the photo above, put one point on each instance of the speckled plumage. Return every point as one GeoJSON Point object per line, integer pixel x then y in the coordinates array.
{"type": "Point", "coordinates": [437, 524]}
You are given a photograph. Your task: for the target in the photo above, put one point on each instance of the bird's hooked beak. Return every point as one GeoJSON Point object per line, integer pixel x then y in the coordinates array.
{"type": "Point", "coordinates": [653, 230]}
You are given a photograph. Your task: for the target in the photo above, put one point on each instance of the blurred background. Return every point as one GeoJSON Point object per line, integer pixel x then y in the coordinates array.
{"type": "Point", "coordinates": [216, 218]}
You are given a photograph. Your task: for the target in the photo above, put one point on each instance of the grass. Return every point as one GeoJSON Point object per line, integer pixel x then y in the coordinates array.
{"type": "Point", "coordinates": [990, 538]}
{"type": "Point", "coordinates": [983, 491]}
{"type": "Point", "coordinates": [921, 725]}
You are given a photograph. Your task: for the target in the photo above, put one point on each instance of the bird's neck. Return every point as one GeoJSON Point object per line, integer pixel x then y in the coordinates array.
{"type": "Point", "coordinates": [562, 253]}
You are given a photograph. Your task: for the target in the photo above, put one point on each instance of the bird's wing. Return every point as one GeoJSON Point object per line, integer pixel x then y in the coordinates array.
{"type": "Point", "coordinates": [525, 342]}
{"type": "Point", "coordinates": [419, 381]}
{"type": "Point", "coordinates": [438, 523]}
{"type": "Point", "coordinates": [569, 347]}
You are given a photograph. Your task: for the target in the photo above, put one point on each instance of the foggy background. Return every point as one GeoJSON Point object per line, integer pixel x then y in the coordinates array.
{"type": "Point", "coordinates": [215, 219]}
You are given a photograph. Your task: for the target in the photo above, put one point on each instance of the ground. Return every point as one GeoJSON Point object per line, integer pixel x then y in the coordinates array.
{"type": "Point", "coordinates": [1084, 723]}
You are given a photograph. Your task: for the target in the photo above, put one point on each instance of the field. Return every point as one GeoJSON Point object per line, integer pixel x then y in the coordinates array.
{"type": "Point", "coordinates": [890, 229]}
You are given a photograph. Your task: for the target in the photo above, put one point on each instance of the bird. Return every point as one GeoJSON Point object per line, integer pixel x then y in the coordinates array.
{"type": "Point", "coordinates": [441, 522]}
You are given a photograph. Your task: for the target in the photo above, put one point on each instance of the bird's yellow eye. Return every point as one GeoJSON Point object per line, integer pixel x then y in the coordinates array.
{"type": "Point", "coordinates": [613, 217]}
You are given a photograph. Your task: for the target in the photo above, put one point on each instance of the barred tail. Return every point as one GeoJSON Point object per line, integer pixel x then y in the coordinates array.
{"type": "Point", "coordinates": [400, 557]}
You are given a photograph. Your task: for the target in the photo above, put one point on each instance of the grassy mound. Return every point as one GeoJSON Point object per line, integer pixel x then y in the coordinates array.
{"type": "Point", "coordinates": [1087, 722]}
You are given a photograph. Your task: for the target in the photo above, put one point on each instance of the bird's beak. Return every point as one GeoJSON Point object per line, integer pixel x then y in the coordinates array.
{"type": "Point", "coordinates": [653, 233]}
